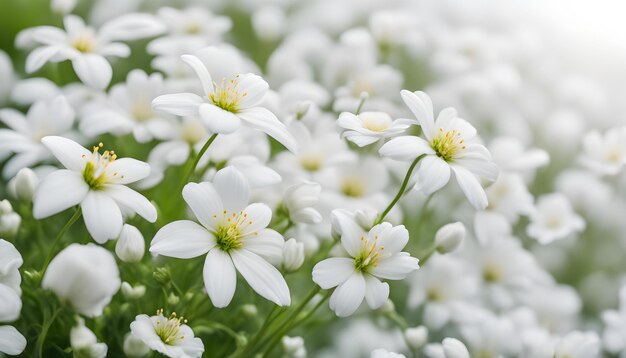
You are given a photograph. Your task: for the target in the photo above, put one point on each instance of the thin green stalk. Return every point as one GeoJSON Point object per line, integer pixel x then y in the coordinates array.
{"type": "Point", "coordinates": [405, 182]}
{"type": "Point", "coordinates": [428, 254]}
{"type": "Point", "coordinates": [360, 106]}
{"type": "Point", "coordinates": [56, 241]}
{"type": "Point", "coordinates": [271, 317]}
{"type": "Point", "coordinates": [45, 327]}
{"type": "Point", "coordinates": [197, 158]}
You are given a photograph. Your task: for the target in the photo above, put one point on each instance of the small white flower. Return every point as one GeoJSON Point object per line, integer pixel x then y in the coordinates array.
{"type": "Point", "coordinates": [451, 144]}
{"type": "Point", "coordinates": [84, 342]}
{"type": "Point", "coordinates": [130, 245]}
{"type": "Point", "coordinates": [554, 219]}
{"type": "Point", "coordinates": [225, 104]}
{"type": "Point", "coordinates": [416, 337]}
{"type": "Point", "coordinates": [614, 336]}
{"type": "Point", "coordinates": [293, 255]}
{"type": "Point", "coordinates": [234, 236]}
{"type": "Point", "coordinates": [374, 255]}
{"type": "Point", "coordinates": [9, 220]}
{"type": "Point", "coordinates": [293, 347]}
{"type": "Point", "coordinates": [86, 47]}
{"type": "Point", "coordinates": [83, 276]}
{"type": "Point", "coordinates": [449, 237]}
{"type": "Point", "coordinates": [370, 127]}
{"type": "Point", "coordinates": [605, 154]}
{"type": "Point", "coordinates": [169, 336]}
{"type": "Point", "coordinates": [23, 186]}
{"type": "Point", "coordinates": [578, 344]}
{"type": "Point", "coordinates": [300, 200]}
{"type": "Point", "coordinates": [95, 181]}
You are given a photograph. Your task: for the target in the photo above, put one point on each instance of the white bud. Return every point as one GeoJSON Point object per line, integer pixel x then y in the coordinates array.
{"type": "Point", "coordinates": [9, 220]}
{"type": "Point", "coordinates": [63, 6]}
{"type": "Point", "coordinates": [23, 185]}
{"type": "Point", "coordinates": [291, 345]}
{"type": "Point", "coordinates": [388, 307]}
{"type": "Point", "coordinates": [132, 293]}
{"type": "Point", "coordinates": [453, 348]}
{"type": "Point", "coordinates": [84, 342]}
{"type": "Point", "coordinates": [134, 347]}
{"type": "Point", "coordinates": [365, 218]}
{"type": "Point", "coordinates": [249, 310]}
{"type": "Point", "coordinates": [130, 245]}
{"type": "Point", "coordinates": [293, 255]}
{"type": "Point", "coordinates": [416, 337]}
{"type": "Point", "coordinates": [85, 277]}
{"type": "Point", "coordinates": [449, 237]}
{"type": "Point", "coordinates": [268, 22]}
{"type": "Point", "coordinates": [299, 200]}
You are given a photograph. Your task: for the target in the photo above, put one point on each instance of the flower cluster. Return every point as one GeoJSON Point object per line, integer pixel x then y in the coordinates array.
{"type": "Point", "coordinates": [306, 178]}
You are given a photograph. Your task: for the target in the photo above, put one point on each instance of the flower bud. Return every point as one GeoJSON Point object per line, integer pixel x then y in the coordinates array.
{"type": "Point", "coordinates": [249, 310]}
{"type": "Point", "coordinates": [292, 345]}
{"type": "Point", "coordinates": [453, 348]}
{"type": "Point", "coordinates": [133, 293]}
{"type": "Point", "coordinates": [162, 275]}
{"type": "Point", "coordinates": [449, 237]}
{"type": "Point", "coordinates": [173, 299]}
{"type": "Point", "coordinates": [130, 245]}
{"type": "Point", "coordinates": [416, 337]}
{"type": "Point", "coordinates": [299, 200]}
{"type": "Point", "coordinates": [134, 347]}
{"type": "Point", "coordinates": [9, 220]}
{"type": "Point", "coordinates": [85, 277]}
{"type": "Point", "coordinates": [22, 187]}
{"type": "Point", "coordinates": [84, 342]}
{"type": "Point", "coordinates": [293, 255]}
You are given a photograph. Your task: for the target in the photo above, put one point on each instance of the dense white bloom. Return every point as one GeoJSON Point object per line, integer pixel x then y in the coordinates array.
{"type": "Point", "coordinates": [234, 236]}
{"type": "Point", "coordinates": [9, 220]}
{"type": "Point", "coordinates": [369, 127]}
{"type": "Point", "coordinates": [225, 104]}
{"type": "Point", "coordinates": [374, 255]}
{"type": "Point", "coordinates": [605, 154]}
{"type": "Point", "coordinates": [95, 181]}
{"type": "Point", "coordinates": [553, 219]}
{"type": "Point", "coordinates": [85, 277]}
{"type": "Point", "coordinates": [128, 109]}
{"type": "Point", "coordinates": [451, 144]}
{"type": "Point", "coordinates": [85, 47]}
{"type": "Point", "coordinates": [614, 336]}
{"type": "Point", "coordinates": [169, 336]}
{"type": "Point", "coordinates": [23, 185]}
{"type": "Point", "coordinates": [578, 344]}
{"type": "Point", "coordinates": [84, 342]}
{"type": "Point", "coordinates": [24, 133]}
{"type": "Point", "coordinates": [130, 245]}
{"type": "Point", "coordinates": [300, 199]}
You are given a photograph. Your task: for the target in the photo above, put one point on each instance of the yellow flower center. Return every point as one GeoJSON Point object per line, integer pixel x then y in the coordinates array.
{"type": "Point", "coordinates": [85, 42]}
{"type": "Point", "coordinates": [447, 145]}
{"type": "Point", "coordinates": [370, 254]}
{"type": "Point", "coordinates": [193, 28]}
{"type": "Point", "coordinates": [353, 186]}
{"type": "Point", "coordinates": [230, 230]}
{"type": "Point", "coordinates": [142, 111]}
{"type": "Point", "coordinates": [311, 162]}
{"type": "Point", "coordinates": [375, 122]}
{"type": "Point", "coordinates": [614, 155]}
{"type": "Point", "coordinates": [492, 273]}
{"type": "Point", "coordinates": [227, 96]}
{"type": "Point", "coordinates": [169, 332]}
{"type": "Point", "coordinates": [95, 172]}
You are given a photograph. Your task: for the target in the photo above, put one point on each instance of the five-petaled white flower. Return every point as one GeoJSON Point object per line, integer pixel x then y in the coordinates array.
{"type": "Point", "coordinates": [86, 47]}
{"type": "Point", "coordinates": [95, 181]}
{"type": "Point", "coordinates": [370, 127]}
{"type": "Point", "coordinates": [451, 143]}
{"type": "Point", "coordinates": [374, 255]}
{"type": "Point", "coordinates": [169, 336]}
{"type": "Point", "coordinates": [234, 236]}
{"type": "Point", "coordinates": [226, 104]}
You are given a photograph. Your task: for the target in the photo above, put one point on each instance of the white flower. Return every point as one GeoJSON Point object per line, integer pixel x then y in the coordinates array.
{"type": "Point", "coordinates": [605, 154]}
{"type": "Point", "coordinates": [449, 348]}
{"type": "Point", "coordinates": [128, 109]}
{"type": "Point", "coordinates": [225, 104]}
{"type": "Point", "coordinates": [24, 132]}
{"type": "Point", "coordinates": [293, 347]}
{"type": "Point", "coordinates": [578, 344]}
{"type": "Point", "coordinates": [86, 47]}
{"type": "Point", "coordinates": [614, 336]}
{"type": "Point", "coordinates": [416, 337]}
{"type": "Point", "coordinates": [370, 127]}
{"type": "Point", "coordinates": [553, 219]}
{"type": "Point", "coordinates": [95, 181]}
{"type": "Point", "coordinates": [451, 144]}
{"type": "Point", "coordinates": [12, 342]}
{"type": "Point", "coordinates": [449, 237]}
{"type": "Point", "coordinates": [232, 234]}
{"type": "Point", "coordinates": [300, 199]}
{"type": "Point", "coordinates": [169, 336]}
{"type": "Point", "coordinates": [84, 342]}
{"type": "Point", "coordinates": [130, 245]}
{"type": "Point", "coordinates": [509, 196]}
{"type": "Point", "coordinates": [374, 255]}
{"type": "Point", "coordinates": [23, 185]}
{"type": "Point", "coordinates": [10, 279]}
{"type": "Point", "coordinates": [510, 155]}
{"type": "Point", "coordinates": [83, 276]}
{"type": "Point", "coordinates": [9, 220]}
{"type": "Point", "coordinates": [269, 22]}
{"type": "Point", "coordinates": [293, 255]}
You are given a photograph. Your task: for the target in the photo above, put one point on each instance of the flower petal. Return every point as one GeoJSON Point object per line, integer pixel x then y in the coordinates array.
{"type": "Point", "coordinates": [267, 243]}
{"type": "Point", "coordinates": [433, 174]}
{"type": "Point", "coordinates": [348, 296]}
{"type": "Point", "coordinates": [180, 104]}
{"type": "Point", "coordinates": [128, 170]}
{"type": "Point", "coordinates": [254, 87]}
{"type": "Point", "coordinates": [262, 119]}
{"type": "Point", "coordinates": [12, 342]}
{"type": "Point", "coordinates": [232, 188]}
{"type": "Point", "coordinates": [405, 148]}
{"type": "Point", "coordinates": [58, 191]}
{"type": "Point", "coordinates": [258, 216]}
{"type": "Point", "coordinates": [39, 56]}
{"type": "Point", "coordinates": [264, 278]}
{"type": "Point", "coordinates": [394, 240]}
{"type": "Point", "coordinates": [422, 107]}
{"type": "Point", "coordinates": [182, 239]}
{"type": "Point", "coordinates": [333, 271]}
{"type": "Point", "coordinates": [217, 120]}
{"type": "Point", "coordinates": [204, 201]}
{"type": "Point", "coordinates": [10, 304]}
{"type": "Point", "coordinates": [201, 71]}
{"type": "Point", "coordinates": [102, 216]}
{"type": "Point", "coordinates": [376, 292]}
{"type": "Point", "coordinates": [395, 267]}
{"type": "Point", "coordinates": [351, 232]}
{"type": "Point", "coordinates": [93, 70]}
{"type": "Point", "coordinates": [132, 200]}
{"type": "Point", "coordinates": [220, 277]}
{"type": "Point", "coordinates": [471, 187]}
{"type": "Point", "coordinates": [72, 155]}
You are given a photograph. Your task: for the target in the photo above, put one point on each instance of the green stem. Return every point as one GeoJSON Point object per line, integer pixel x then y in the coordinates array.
{"type": "Point", "coordinates": [271, 316]}
{"type": "Point", "coordinates": [197, 158]}
{"type": "Point", "coordinates": [44, 331]}
{"type": "Point", "coordinates": [405, 182]}
{"type": "Point", "coordinates": [56, 241]}
{"type": "Point", "coordinates": [428, 254]}
{"type": "Point", "coordinates": [360, 106]}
